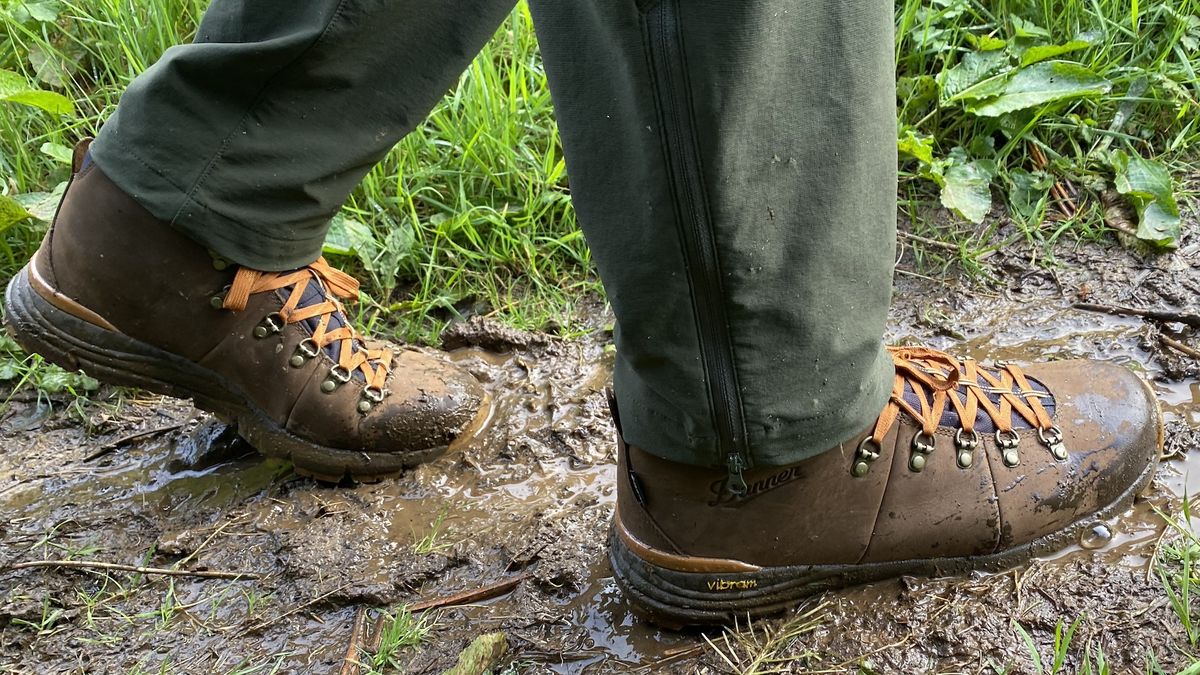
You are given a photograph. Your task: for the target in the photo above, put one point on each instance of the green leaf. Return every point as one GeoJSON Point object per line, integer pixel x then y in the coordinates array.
{"type": "Point", "coordinates": [16, 89]}
{"type": "Point", "coordinates": [11, 212]}
{"type": "Point", "coordinates": [986, 43]}
{"type": "Point", "coordinates": [59, 153]}
{"type": "Point", "coordinates": [44, 11]}
{"type": "Point", "coordinates": [1027, 192]}
{"type": "Point", "coordinates": [967, 189]}
{"type": "Point", "coordinates": [1043, 52]}
{"type": "Point", "coordinates": [51, 102]}
{"type": "Point", "coordinates": [1147, 185]}
{"type": "Point", "coordinates": [398, 247]}
{"type": "Point", "coordinates": [917, 91]}
{"type": "Point", "coordinates": [48, 66]}
{"type": "Point", "coordinates": [11, 83]}
{"type": "Point", "coordinates": [916, 145]}
{"type": "Point", "coordinates": [348, 236]}
{"type": "Point", "coordinates": [973, 68]}
{"type": "Point", "coordinates": [1034, 85]}
{"type": "Point", "coordinates": [1028, 29]}
{"type": "Point", "coordinates": [42, 205]}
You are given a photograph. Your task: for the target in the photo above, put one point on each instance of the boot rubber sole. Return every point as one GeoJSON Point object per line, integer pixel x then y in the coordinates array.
{"type": "Point", "coordinates": [112, 357]}
{"type": "Point", "coordinates": [687, 592]}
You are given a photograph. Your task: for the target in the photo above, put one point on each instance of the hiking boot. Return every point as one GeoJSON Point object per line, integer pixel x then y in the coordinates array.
{"type": "Point", "coordinates": [966, 468]}
{"type": "Point", "coordinates": [132, 301]}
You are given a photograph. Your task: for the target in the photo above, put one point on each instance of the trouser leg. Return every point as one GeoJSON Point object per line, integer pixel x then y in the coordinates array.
{"type": "Point", "coordinates": [733, 166]}
{"type": "Point", "coordinates": [249, 139]}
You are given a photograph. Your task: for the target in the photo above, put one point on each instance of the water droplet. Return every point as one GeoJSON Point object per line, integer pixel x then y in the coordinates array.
{"type": "Point", "coordinates": [1096, 536]}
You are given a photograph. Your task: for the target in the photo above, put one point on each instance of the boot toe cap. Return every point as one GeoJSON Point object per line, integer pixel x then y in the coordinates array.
{"type": "Point", "coordinates": [429, 404]}
{"type": "Point", "coordinates": [1112, 431]}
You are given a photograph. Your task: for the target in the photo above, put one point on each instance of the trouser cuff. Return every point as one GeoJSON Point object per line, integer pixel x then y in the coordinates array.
{"type": "Point", "coordinates": [165, 199]}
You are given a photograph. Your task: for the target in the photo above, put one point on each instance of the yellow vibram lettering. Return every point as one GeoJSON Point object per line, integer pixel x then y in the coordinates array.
{"type": "Point", "coordinates": [732, 585]}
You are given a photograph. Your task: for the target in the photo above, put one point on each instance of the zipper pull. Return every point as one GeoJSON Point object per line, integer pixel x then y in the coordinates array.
{"type": "Point", "coordinates": [736, 483]}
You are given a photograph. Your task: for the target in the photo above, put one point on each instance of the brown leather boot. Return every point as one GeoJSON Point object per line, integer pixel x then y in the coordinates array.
{"type": "Point", "coordinates": [132, 301]}
{"type": "Point", "coordinates": [966, 468]}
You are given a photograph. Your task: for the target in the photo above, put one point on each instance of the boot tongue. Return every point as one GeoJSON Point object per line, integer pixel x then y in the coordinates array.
{"type": "Point", "coordinates": [315, 294]}
{"type": "Point", "coordinates": [984, 423]}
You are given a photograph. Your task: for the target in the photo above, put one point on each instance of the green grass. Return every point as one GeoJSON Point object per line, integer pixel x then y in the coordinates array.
{"type": "Point", "coordinates": [398, 634]}
{"type": "Point", "coordinates": [471, 213]}
{"type": "Point", "coordinates": [432, 542]}
{"type": "Point", "coordinates": [1179, 569]}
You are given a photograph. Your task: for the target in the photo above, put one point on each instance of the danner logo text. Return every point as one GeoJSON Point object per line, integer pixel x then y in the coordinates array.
{"type": "Point", "coordinates": [753, 488]}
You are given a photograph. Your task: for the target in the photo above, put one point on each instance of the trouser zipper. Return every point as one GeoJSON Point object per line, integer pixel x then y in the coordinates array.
{"type": "Point", "coordinates": [673, 99]}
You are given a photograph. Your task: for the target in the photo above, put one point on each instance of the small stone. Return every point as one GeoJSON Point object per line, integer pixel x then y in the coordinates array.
{"type": "Point", "coordinates": [1096, 536]}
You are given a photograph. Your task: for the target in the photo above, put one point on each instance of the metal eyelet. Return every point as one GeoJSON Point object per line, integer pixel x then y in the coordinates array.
{"type": "Point", "coordinates": [271, 324]}
{"type": "Point", "coordinates": [966, 446]}
{"type": "Point", "coordinates": [1008, 446]}
{"type": "Point", "coordinates": [218, 301]}
{"type": "Point", "coordinates": [921, 447]}
{"type": "Point", "coordinates": [337, 377]}
{"type": "Point", "coordinates": [1053, 438]}
{"type": "Point", "coordinates": [306, 350]}
{"type": "Point", "coordinates": [371, 397]}
{"type": "Point", "coordinates": [864, 456]}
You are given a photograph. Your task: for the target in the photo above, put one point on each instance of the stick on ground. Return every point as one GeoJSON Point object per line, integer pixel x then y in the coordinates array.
{"type": "Point", "coordinates": [117, 567]}
{"type": "Point", "coordinates": [1185, 318]}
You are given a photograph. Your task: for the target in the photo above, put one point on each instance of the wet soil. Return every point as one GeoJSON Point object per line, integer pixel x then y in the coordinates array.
{"type": "Point", "coordinates": [152, 482]}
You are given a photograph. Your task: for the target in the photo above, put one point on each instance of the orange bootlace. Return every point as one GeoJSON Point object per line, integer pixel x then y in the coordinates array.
{"type": "Point", "coordinates": [937, 380]}
{"type": "Point", "coordinates": [353, 353]}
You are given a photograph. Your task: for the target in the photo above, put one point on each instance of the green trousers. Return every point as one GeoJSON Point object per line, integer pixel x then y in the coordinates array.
{"type": "Point", "coordinates": [732, 165]}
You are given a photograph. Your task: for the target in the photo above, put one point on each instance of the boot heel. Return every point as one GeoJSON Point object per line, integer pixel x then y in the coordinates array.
{"type": "Point", "coordinates": [674, 598]}
{"type": "Point", "coordinates": [72, 343]}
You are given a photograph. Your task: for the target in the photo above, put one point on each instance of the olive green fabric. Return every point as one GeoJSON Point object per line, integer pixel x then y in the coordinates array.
{"type": "Point", "coordinates": [732, 165]}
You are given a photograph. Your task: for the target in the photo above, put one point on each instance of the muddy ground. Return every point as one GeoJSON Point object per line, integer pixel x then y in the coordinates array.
{"type": "Point", "coordinates": [149, 481]}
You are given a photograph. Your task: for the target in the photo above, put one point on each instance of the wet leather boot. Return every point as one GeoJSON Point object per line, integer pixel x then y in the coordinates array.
{"type": "Point", "coordinates": [132, 301]}
{"type": "Point", "coordinates": [966, 468]}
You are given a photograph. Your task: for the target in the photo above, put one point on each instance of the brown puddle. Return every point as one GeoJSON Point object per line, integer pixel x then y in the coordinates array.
{"type": "Point", "coordinates": [530, 495]}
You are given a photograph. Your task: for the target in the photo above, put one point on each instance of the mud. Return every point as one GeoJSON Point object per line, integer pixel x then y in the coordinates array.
{"type": "Point", "coordinates": [150, 481]}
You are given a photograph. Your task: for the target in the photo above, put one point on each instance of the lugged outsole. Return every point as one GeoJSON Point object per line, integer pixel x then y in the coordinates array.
{"type": "Point", "coordinates": [111, 357]}
{"type": "Point", "coordinates": [675, 599]}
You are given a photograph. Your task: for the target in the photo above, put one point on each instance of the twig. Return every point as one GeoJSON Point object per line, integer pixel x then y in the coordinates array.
{"type": "Point", "coordinates": [113, 445]}
{"type": "Point", "coordinates": [118, 567]}
{"type": "Point", "coordinates": [1061, 190]}
{"type": "Point", "coordinates": [1180, 347]}
{"type": "Point", "coordinates": [350, 663]}
{"type": "Point", "coordinates": [1192, 320]}
{"type": "Point", "coordinates": [926, 240]}
{"type": "Point", "coordinates": [474, 595]}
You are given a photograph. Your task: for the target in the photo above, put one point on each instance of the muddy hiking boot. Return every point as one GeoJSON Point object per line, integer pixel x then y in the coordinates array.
{"type": "Point", "coordinates": [966, 468]}
{"type": "Point", "coordinates": [132, 301]}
